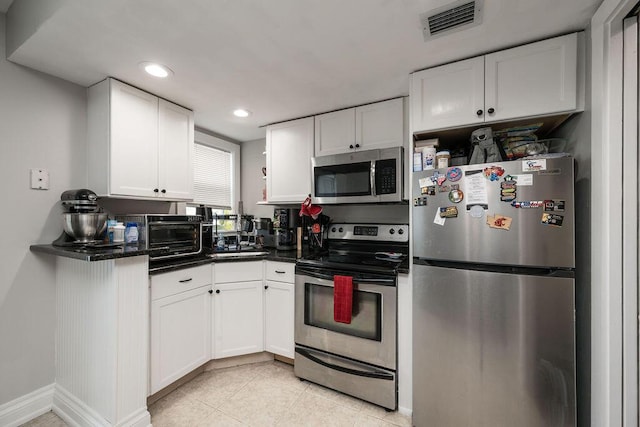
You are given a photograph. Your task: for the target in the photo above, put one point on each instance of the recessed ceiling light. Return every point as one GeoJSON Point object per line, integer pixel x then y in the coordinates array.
{"type": "Point", "coordinates": [241, 112]}
{"type": "Point", "coordinates": [156, 70]}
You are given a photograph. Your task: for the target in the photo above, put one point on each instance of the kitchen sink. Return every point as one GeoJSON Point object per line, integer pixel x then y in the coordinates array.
{"type": "Point", "coordinates": [238, 254]}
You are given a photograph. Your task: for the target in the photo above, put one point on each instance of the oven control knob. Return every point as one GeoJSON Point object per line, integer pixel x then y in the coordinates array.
{"type": "Point", "coordinates": [392, 231]}
{"type": "Point", "coordinates": [401, 231]}
{"type": "Point", "coordinates": [333, 229]}
{"type": "Point", "coordinates": [340, 230]}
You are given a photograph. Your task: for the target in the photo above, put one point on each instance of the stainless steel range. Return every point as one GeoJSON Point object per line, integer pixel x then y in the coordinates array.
{"type": "Point", "coordinates": [356, 355]}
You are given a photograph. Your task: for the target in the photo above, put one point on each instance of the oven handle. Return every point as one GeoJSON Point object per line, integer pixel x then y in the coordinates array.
{"type": "Point", "coordinates": [329, 278]}
{"type": "Point", "coordinates": [376, 374]}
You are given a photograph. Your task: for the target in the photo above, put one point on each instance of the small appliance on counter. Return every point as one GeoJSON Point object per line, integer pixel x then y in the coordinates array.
{"type": "Point", "coordinates": [82, 220]}
{"type": "Point", "coordinates": [263, 229]}
{"type": "Point", "coordinates": [286, 222]}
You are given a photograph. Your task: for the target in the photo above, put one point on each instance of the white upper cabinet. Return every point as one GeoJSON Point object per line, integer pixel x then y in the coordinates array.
{"type": "Point", "coordinates": [538, 78]}
{"type": "Point", "coordinates": [447, 96]}
{"type": "Point", "coordinates": [371, 126]}
{"type": "Point", "coordinates": [335, 132]}
{"type": "Point", "coordinates": [289, 152]}
{"type": "Point", "coordinates": [531, 80]}
{"type": "Point", "coordinates": [175, 157]}
{"type": "Point", "coordinates": [140, 146]}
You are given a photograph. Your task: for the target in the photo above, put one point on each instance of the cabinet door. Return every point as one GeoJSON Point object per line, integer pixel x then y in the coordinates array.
{"type": "Point", "coordinates": [238, 319]}
{"type": "Point", "coordinates": [289, 152]}
{"type": "Point", "coordinates": [133, 159]}
{"type": "Point", "coordinates": [175, 155]}
{"type": "Point", "coordinates": [380, 125]}
{"type": "Point", "coordinates": [335, 132]}
{"type": "Point", "coordinates": [279, 318]}
{"type": "Point", "coordinates": [538, 78]}
{"type": "Point", "coordinates": [180, 335]}
{"type": "Point", "coordinates": [448, 96]}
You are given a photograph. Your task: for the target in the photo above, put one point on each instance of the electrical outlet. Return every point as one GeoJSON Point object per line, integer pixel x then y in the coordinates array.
{"type": "Point", "coordinates": [39, 179]}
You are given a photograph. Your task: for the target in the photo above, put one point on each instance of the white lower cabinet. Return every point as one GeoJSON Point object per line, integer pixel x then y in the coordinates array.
{"type": "Point", "coordinates": [279, 308]}
{"type": "Point", "coordinates": [180, 324]}
{"type": "Point", "coordinates": [238, 320]}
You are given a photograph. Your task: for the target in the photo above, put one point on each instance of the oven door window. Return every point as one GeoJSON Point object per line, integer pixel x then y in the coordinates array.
{"type": "Point", "coordinates": [353, 179]}
{"type": "Point", "coordinates": [366, 317]}
{"type": "Point", "coordinates": [180, 238]}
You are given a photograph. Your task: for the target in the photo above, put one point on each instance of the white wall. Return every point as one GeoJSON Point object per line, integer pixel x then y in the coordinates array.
{"type": "Point", "coordinates": [42, 125]}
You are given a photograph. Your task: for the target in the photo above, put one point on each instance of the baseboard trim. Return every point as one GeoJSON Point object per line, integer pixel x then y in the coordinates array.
{"type": "Point", "coordinates": [246, 359]}
{"type": "Point", "coordinates": [73, 411]}
{"type": "Point", "coordinates": [27, 407]}
{"type": "Point", "coordinates": [405, 411]}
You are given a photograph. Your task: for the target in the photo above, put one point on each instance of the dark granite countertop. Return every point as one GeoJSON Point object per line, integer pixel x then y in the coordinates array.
{"type": "Point", "coordinates": [95, 253]}
{"type": "Point", "coordinates": [159, 267]}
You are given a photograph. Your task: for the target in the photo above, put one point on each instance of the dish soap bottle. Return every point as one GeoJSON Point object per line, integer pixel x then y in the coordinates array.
{"type": "Point", "coordinates": [220, 244]}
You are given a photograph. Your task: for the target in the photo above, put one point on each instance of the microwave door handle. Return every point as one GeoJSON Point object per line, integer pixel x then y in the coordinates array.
{"type": "Point", "coordinates": [373, 177]}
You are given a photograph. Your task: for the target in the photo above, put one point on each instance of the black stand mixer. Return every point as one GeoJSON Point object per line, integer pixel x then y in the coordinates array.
{"type": "Point", "coordinates": [82, 221]}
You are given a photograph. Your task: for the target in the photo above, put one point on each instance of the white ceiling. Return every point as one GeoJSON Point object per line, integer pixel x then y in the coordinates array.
{"type": "Point", "coordinates": [280, 59]}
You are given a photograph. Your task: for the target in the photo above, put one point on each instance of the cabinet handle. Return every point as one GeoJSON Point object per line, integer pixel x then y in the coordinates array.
{"type": "Point", "coordinates": [351, 146]}
{"type": "Point", "coordinates": [155, 190]}
{"type": "Point", "coordinates": [280, 272]}
{"type": "Point", "coordinates": [217, 291]}
{"type": "Point", "coordinates": [163, 191]}
{"type": "Point", "coordinates": [491, 111]}
{"type": "Point", "coordinates": [266, 286]}
{"type": "Point", "coordinates": [479, 112]}
{"type": "Point", "coordinates": [357, 145]}
{"type": "Point", "coordinates": [210, 291]}
{"type": "Point", "coordinates": [185, 280]}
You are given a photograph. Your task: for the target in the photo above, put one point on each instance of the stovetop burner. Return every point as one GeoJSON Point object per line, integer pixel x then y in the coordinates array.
{"type": "Point", "coordinates": [380, 248]}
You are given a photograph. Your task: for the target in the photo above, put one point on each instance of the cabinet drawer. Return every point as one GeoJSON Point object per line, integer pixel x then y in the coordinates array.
{"type": "Point", "coordinates": [228, 272]}
{"type": "Point", "coordinates": [174, 282]}
{"type": "Point", "coordinates": [280, 271]}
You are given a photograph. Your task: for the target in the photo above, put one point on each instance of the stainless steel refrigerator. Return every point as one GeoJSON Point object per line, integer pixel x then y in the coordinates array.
{"type": "Point", "coordinates": [493, 295]}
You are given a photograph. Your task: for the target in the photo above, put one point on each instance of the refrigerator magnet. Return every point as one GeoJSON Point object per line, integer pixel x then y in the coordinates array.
{"type": "Point", "coordinates": [456, 196]}
{"type": "Point", "coordinates": [420, 201]}
{"type": "Point", "coordinates": [499, 221]}
{"type": "Point", "coordinates": [449, 212]}
{"type": "Point", "coordinates": [554, 205]}
{"type": "Point", "coordinates": [454, 174]}
{"type": "Point", "coordinates": [438, 219]}
{"type": "Point", "coordinates": [552, 219]}
{"type": "Point", "coordinates": [493, 173]}
{"type": "Point", "coordinates": [476, 211]}
{"type": "Point", "coordinates": [528, 204]}
{"type": "Point", "coordinates": [534, 165]}
{"type": "Point", "coordinates": [444, 189]}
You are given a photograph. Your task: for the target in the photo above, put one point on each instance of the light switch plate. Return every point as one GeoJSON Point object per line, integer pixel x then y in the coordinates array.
{"type": "Point", "coordinates": [39, 179]}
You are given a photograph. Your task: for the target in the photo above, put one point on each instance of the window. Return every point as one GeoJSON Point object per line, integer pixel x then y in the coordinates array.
{"type": "Point", "coordinates": [216, 173]}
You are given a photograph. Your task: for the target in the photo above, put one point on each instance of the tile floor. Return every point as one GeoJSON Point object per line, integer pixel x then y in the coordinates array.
{"type": "Point", "coordinates": [259, 394]}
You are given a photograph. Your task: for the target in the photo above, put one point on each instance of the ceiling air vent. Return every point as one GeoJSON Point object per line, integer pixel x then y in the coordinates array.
{"type": "Point", "coordinates": [450, 18]}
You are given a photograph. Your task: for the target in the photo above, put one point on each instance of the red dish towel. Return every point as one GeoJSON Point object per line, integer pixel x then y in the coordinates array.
{"type": "Point", "coordinates": [342, 298]}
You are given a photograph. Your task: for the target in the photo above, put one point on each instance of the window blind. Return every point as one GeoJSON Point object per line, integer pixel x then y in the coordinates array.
{"type": "Point", "coordinates": [212, 177]}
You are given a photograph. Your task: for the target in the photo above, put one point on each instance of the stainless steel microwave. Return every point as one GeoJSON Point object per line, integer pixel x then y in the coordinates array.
{"type": "Point", "coordinates": [370, 176]}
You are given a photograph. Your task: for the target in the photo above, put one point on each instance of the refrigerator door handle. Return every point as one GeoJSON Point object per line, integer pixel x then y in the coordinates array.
{"type": "Point", "coordinates": [368, 374]}
{"type": "Point", "coordinates": [530, 271]}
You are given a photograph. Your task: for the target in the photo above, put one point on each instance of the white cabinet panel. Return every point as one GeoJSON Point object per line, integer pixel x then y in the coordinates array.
{"type": "Point", "coordinates": [174, 282]}
{"type": "Point", "coordinates": [243, 271]}
{"type": "Point", "coordinates": [238, 318]}
{"type": "Point", "coordinates": [175, 140]}
{"type": "Point", "coordinates": [449, 95]}
{"type": "Point", "coordinates": [279, 318]}
{"type": "Point", "coordinates": [335, 132]}
{"type": "Point", "coordinates": [280, 271]}
{"type": "Point", "coordinates": [139, 146]}
{"type": "Point", "coordinates": [367, 127]}
{"type": "Point", "coordinates": [134, 141]}
{"type": "Point", "coordinates": [536, 79]}
{"type": "Point", "coordinates": [289, 152]}
{"type": "Point", "coordinates": [532, 79]}
{"type": "Point", "coordinates": [180, 335]}
{"type": "Point", "coordinates": [380, 125]}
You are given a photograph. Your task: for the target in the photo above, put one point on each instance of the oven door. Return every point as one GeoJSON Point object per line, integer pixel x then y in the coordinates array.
{"type": "Point", "coordinates": [182, 238]}
{"type": "Point", "coordinates": [371, 335]}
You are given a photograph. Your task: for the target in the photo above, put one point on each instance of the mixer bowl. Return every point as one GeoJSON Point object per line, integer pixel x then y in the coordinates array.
{"type": "Point", "coordinates": [84, 227]}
